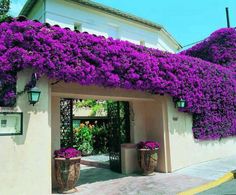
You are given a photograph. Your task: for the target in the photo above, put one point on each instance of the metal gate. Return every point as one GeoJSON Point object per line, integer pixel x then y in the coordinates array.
{"type": "Point", "coordinates": [66, 116]}
{"type": "Point", "coordinates": [119, 131]}
{"type": "Point", "coordinates": [118, 126]}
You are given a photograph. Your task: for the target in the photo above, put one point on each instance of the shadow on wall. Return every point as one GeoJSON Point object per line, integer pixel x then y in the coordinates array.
{"type": "Point", "coordinates": [180, 122]}
{"type": "Point", "coordinates": [215, 142]}
{"type": "Point", "coordinates": [33, 116]}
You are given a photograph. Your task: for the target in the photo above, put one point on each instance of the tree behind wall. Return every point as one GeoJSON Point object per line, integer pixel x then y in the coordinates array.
{"type": "Point", "coordinates": [4, 8]}
{"type": "Point", "coordinates": [97, 107]}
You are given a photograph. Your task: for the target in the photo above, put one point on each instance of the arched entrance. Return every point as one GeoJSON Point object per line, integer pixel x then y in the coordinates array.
{"type": "Point", "coordinates": [148, 119]}
{"type": "Point", "coordinates": [117, 125]}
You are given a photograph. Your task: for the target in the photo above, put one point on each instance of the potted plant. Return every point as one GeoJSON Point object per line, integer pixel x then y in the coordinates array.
{"type": "Point", "coordinates": [147, 156]}
{"type": "Point", "coordinates": [67, 169]}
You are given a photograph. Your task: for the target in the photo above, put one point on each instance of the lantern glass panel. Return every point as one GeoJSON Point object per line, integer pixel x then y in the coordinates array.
{"type": "Point", "coordinates": [181, 103]}
{"type": "Point", "coordinates": [35, 96]}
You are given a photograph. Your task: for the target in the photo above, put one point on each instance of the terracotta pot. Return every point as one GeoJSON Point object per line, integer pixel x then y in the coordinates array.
{"type": "Point", "coordinates": [147, 160]}
{"type": "Point", "coordinates": [67, 174]}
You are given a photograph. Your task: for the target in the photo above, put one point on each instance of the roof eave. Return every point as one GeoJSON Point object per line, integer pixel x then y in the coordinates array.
{"type": "Point", "coordinates": [179, 46]}
{"type": "Point", "coordinates": [27, 7]}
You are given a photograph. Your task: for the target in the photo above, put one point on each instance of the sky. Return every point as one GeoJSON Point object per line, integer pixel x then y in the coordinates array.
{"type": "Point", "coordinates": [188, 21]}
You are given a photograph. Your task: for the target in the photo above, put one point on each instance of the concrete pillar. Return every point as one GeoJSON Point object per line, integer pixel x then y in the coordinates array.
{"type": "Point", "coordinates": [55, 131]}
{"type": "Point", "coordinates": [149, 121]}
{"type": "Point", "coordinates": [138, 121]}
{"type": "Point", "coordinates": [129, 159]}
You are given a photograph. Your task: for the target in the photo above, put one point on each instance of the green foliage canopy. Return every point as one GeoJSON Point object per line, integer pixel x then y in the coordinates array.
{"type": "Point", "coordinates": [4, 8]}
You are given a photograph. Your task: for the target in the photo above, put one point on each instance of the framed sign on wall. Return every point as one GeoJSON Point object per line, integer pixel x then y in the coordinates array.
{"type": "Point", "coordinates": [11, 123]}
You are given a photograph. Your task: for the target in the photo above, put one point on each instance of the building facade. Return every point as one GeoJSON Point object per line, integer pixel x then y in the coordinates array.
{"type": "Point", "coordinates": [87, 16]}
{"type": "Point", "coordinates": [27, 161]}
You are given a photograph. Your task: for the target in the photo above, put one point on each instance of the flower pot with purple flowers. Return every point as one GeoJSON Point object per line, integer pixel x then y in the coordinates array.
{"type": "Point", "coordinates": [67, 169]}
{"type": "Point", "coordinates": [147, 156]}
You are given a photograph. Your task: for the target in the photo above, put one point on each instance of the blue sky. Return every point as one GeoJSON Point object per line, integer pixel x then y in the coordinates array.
{"type": "Point", "coordinates": [187, 20]}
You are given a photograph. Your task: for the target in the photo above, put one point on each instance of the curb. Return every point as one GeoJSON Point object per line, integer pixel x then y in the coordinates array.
{"type": "Point", "coordinates": [227, 177]}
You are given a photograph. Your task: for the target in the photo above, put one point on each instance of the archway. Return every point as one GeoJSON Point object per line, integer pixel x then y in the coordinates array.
{"type": "Point", "coordinates": [84, 132]}
{"type": "Point", "coordinates": [147, 118]}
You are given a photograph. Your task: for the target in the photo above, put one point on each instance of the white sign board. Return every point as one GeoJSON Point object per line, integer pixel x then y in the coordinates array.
{"type": "Point", "coordinates": [11, 123]}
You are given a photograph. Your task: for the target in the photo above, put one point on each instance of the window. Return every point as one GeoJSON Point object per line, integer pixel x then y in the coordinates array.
{"type": "Point", "coordinates": [142, 42]}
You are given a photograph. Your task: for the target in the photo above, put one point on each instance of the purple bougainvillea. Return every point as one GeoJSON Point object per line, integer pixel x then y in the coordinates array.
{"type": "Point", "coordinates": [219, 48]}
{"type": "Point", "coordinates": [62, 54]}
{"type": "Point", "coordinates": [67, 153]}
{"type": "Point", "coordinates": [152, 145]}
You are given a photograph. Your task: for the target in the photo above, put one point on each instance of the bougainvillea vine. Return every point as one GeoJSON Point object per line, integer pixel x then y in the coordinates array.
{"type": "Point", "coordinates": [219, 48]}
{"type": "Point", "coordinates": [62, 54]}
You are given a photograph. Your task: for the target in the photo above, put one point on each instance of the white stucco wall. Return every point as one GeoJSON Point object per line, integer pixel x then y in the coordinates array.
{"type": "Point", "coordinates": [185, 150]}
{"type": "Point", "coordinates": [150, 123]}
{"type": "Point", "coordinates": [26, 159]}
{"type": "Point", "coordinates": [67, 14]}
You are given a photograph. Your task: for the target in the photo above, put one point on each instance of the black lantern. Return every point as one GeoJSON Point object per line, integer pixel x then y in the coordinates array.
{"type": "Point", "coordinates": [180, 103]}
{"type": "Point", "coordinates": [33, 95]}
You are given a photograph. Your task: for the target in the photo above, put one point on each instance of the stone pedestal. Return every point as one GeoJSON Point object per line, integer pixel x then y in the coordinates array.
{"type": "Point", "coordinates": [129, 159]}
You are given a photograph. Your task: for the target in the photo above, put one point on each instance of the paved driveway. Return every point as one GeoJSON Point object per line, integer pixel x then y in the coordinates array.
{"type": "Point", "coordinates": [105, 182]}
{"type": "Point", "coordinates": [100, 181]}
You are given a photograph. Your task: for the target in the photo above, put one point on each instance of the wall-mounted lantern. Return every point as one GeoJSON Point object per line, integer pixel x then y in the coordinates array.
{"type": "Point", "coordinates": [180, 103]}
{"type": "Point", "coordinates": [34, 95]}
{"type": "Point", "coordinates": [33, 92]}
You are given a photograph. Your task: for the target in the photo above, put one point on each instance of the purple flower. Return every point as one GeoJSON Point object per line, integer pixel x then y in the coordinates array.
{"type": "Point", "coordinates": [204, 75]}
{"type": "Point", "coordinates": [67, 153]}
{"type": "Point", "coordinates": [148, 145]}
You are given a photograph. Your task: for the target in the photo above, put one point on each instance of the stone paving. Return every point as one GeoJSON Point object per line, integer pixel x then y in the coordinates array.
{"type": "Point", "coordinates": [101, 160]}
{"type": "Point", "coordinates": [104, 158]}
{"type": "Point", "coordinates": [100, 181]}
{"type": "Point", "coordinates": [105, 182]}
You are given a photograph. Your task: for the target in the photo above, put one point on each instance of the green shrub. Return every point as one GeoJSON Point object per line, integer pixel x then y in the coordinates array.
{"type": "Point", "coordinates": [90, 138]}
{"type": "Point", "coordinates": [83, 138]}
{"type": "Point", "coordinates": [100, 139]}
